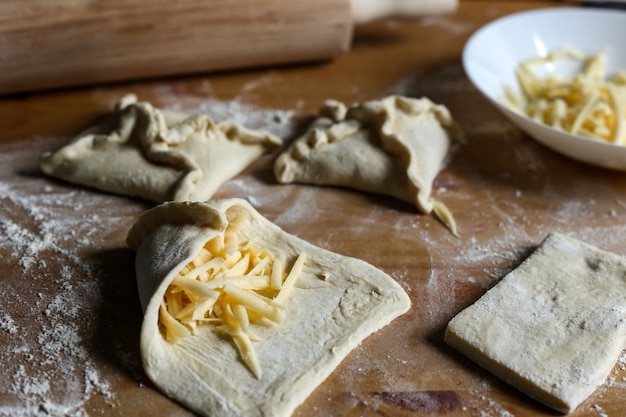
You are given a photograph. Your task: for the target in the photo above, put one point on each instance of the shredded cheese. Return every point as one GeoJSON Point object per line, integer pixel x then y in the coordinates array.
{"type": "Point", "coordinates": [290, 281]}
{"type": "Point", "coordinates": [588, 104]}
{"type": "Point", "coordinates": [229, 285]}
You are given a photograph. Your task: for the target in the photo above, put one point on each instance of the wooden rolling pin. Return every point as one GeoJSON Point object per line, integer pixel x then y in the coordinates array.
{"type": "Point", "coordinates": [49, 44]}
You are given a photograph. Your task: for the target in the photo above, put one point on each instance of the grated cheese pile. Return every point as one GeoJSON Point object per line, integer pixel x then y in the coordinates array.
{"type": "Point", "coordinates": [588, 104]}
{"type": "Point", "coordinates": [229, 285]}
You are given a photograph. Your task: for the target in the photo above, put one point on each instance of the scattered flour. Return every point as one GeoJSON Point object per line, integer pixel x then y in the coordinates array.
{"type": "Point", "coordinates": [45, 232]}
{"type": "Point", "coordinates": [278, 122]}
{"type": "Point", "coordinates": [7, 324]}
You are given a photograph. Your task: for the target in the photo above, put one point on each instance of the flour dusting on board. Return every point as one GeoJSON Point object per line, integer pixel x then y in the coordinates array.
{"type": "Point", "coordinates": [278, 122]}
{"type": "Point", "coordinates": [46, 230]}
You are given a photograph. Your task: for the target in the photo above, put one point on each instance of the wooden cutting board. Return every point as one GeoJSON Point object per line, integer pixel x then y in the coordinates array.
{"type": "Point", "coordinates": [69, 314]}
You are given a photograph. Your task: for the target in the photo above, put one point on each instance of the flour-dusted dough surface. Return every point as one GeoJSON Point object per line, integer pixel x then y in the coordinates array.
{"type": "Point", "coordinates": [157, 154]}
{"type": "Point", "coordinates": [554, 327]}
{"type": "Point", "coordinates": [395, 146]}
{"type": "Point", "coordinates": [336, 304]}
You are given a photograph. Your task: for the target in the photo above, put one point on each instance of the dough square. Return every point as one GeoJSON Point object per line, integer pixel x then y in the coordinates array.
{"type": "Point", "coordinates": [336, 303]}
{"type": "Point", "coordinates": [554, 327]}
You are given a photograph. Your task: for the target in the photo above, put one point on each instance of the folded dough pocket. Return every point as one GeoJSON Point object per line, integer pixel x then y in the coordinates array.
{"type": "Point", "coordinates": [395, 146]}
{"type": "Point", "coordinates": [159, 155]}
{"type": "Point", "coordinates": [242, 318]}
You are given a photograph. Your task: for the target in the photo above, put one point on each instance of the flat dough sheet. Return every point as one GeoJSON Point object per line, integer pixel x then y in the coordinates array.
{"type": "Point", "coordinates": [327, 317]}
{"type": "Point", "coordinates": [158, 155]}
{"type": "Point", "coordinates": [554, 327]}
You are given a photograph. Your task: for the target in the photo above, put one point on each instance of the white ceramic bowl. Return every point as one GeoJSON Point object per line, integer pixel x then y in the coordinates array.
{"type": "Point", "coordinates": [492, 54]}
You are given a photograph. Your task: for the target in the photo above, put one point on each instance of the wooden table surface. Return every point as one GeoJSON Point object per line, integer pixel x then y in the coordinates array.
{"type": "Point", "coordinates": [69, 312]}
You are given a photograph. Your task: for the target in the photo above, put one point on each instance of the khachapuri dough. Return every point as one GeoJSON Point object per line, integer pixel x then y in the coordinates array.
{"type": "Point", "coordinates": [158, 155]}
{"type": "Point", "coordinates": [395, 146]}
{"type": "Point", "coordinates": [554, 327]}
{"type": "Point", "coordinates": [242, 318]}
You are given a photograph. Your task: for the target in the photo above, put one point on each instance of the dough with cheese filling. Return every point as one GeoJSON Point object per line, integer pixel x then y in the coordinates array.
{"type": "Point", "coordinates": [554, 327]}
{"type": "Point", "coordinates": [335, 303]}
{"type": "Point", "coordinates": [158, 155]}
{"type": "Point", "coordinates": [395, 146]}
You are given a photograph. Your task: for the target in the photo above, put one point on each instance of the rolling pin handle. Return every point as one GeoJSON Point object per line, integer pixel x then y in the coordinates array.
{"type": "Point", "coordinates": [366, 10]}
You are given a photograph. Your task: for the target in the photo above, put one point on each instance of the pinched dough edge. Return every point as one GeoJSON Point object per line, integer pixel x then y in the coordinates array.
{"type": "Point", "coordinates": [398, 145]}
{"type": "Point", "coordinates": [158, 155]}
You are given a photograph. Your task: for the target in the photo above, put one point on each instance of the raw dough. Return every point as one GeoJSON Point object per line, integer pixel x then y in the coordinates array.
{"type": "Point", "coordinates": [395, 146]}
{"type": "Point", "coordinates": [554, 327]}
{"type": "Point", "coordinates": [334, 306]}
{"type": "Point", "coordinates": [158, 155]}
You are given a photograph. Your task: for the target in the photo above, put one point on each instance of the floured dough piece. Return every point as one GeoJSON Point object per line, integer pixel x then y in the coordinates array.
{"type": "Point", "coordinates": [158, 155]}
{"type": "Point", "coordinates": [295, 339]}
{"type": "Point", "coordinates": [554, 327]}
{"type": "Point", "coordinates": [395, 146]}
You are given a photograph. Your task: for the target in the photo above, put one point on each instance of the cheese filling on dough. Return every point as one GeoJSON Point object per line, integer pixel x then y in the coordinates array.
{"type": "Point", "coordinates": [325, 309]}
{"type": "Point", "coordinates": [229, 285]}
